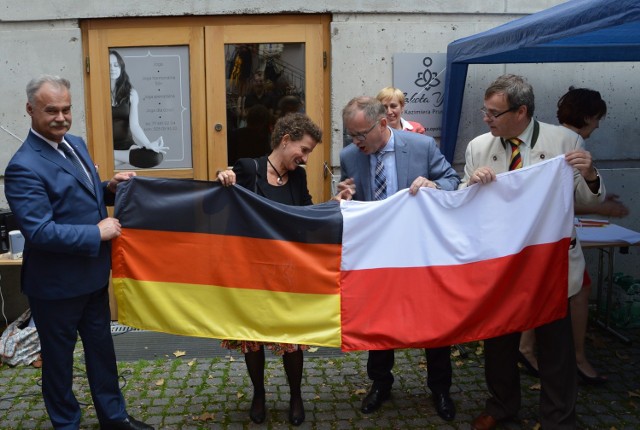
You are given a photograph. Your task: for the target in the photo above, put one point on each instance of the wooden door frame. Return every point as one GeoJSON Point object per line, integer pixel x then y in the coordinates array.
{"type": "Point", "coordinates": [313, 31]}
{"type": "Point", "coordinates": [208, 147]}
{"type": "Point", "coordinates": [102, 35]}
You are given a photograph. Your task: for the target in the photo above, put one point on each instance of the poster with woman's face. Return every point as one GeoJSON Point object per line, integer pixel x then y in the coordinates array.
{"type": "Point", "coordinates": [150, 107]}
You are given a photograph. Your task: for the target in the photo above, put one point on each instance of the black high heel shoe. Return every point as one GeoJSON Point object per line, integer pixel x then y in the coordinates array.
{"type": "Point", "coordinates": [258, 411]}
{"type": "Point", "coordinates": [296, 411]}
{"type": "Point", "coordinates": [527, 364]}
{"type": "Point", "coordinates": [591, 380]}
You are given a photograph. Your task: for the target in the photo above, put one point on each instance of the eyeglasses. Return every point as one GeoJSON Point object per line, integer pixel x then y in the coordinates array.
{"type": "Point", "coordinates": [491, 115]}
{"type": "Point", "coordinates": [361, 137]}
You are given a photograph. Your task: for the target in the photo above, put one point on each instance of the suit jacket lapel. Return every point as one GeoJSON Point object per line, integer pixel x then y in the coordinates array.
{"type": "Point", "coordinates": [261, 172]}
{"type": "Point", "coordinates": [55, 157]}
{"type": "Point", "coordinates": [402, 161]}
{"type": "Point", "coordinates": [364, 170]}
{"type": "Point", "coordinates": [88, 163]}
{"type": "Point", "coordinates": [46, 151]}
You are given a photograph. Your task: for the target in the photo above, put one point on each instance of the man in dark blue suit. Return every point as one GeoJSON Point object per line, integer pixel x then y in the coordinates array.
{"type": "Point", "coordinates": [407, 160]}
{"type": "Point", "coordinates": [59, 203]}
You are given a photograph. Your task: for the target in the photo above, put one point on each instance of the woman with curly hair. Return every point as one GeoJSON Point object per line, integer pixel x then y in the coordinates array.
{"type": "Point", "coordinates": [280, 177]}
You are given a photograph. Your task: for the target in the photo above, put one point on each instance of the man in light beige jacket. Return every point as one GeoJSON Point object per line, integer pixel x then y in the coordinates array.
{"type": "Point", "coordinates": [508, 111]}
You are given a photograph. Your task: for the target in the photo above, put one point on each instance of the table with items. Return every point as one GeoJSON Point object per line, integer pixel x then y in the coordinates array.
{"type": "Point", "coordinates": [606, 238]}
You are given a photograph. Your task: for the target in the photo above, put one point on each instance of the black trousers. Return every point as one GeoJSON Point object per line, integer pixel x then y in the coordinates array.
{"type": "Point", "coordinates": [439, 373]}
{"type": "Point", "coordinates": [557, 369]}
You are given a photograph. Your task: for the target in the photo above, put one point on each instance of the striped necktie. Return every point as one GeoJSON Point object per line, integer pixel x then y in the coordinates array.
{"type": "Point", "coordinates": [516, 157]}
{"type": "Point", "coordinates": [71, 156]}
{"type": "Point", "coordinates": [380, 191]}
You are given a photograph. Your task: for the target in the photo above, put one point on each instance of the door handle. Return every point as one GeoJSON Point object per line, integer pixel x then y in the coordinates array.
{"type": "Point", "coordinates": [326, 170]}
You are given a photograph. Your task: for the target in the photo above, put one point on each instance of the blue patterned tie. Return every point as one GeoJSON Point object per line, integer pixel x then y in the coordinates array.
{"type": "Point", "coordinates": [380, 191]}
{"type": "Point", "coordinates": [71, 156]}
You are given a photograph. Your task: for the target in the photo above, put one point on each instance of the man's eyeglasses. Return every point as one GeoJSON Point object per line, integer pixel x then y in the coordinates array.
{"type": "Point", "coordinates": [361, 137]}
{"type": "Point", "coordinates": [492, 115]}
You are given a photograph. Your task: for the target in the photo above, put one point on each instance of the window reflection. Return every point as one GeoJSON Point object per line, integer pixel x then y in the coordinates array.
{"type": "Point", "coordinates": [264, 81]}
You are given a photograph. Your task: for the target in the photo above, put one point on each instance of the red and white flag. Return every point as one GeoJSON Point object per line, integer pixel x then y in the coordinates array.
{"type": "Point", "coordinates": [444, 267]}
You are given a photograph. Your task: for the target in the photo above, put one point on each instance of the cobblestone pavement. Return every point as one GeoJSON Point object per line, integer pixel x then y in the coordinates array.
{"type": "Point", "coordinates": [205, 392]}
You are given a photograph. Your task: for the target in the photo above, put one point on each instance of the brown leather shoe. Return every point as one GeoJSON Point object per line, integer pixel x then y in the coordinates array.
{"type": "Point", "coordinates": [37, 363]}
{"type": "Point", "coordinates": [484, 421]}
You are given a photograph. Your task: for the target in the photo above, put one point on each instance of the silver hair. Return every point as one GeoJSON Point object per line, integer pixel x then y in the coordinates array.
{"type": "Point", "coordinates": [36, 83]}
{"type": "Point", "coordinates": [373, 109]}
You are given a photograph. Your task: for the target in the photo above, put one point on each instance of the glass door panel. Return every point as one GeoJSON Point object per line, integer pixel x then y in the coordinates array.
{"type": "Point", "coordinates": [150, 107]}
{"type": "Point", "coordinates": [156, 123]}
{"type": "Point", "coordinates": [264, 82]}
{"type": "Point", "coordinates": [255, 73]}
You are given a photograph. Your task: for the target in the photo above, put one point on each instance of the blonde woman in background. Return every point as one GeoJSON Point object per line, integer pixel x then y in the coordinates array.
{"type": "Point", "coordinates": [393, 100]}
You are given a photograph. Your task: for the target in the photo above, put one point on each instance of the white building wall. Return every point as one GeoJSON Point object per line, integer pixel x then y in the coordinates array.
{"type": "Point", "coordinates": [362, 48]}
{"type": "Point", "coordinates": [45, 38]}
{"type": "Point", "coordinates": [41, 10]}
{"type": "Point", "coordinates": [41, 36]}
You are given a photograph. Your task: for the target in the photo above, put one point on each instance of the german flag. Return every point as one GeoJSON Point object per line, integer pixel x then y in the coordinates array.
{"type": "Point", "coordinates": [435, 269]}
{"type": "Point", "coordinates": [198, 259]}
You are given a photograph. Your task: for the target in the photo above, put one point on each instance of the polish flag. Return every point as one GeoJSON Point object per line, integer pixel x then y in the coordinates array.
{"type": "Point", "coordinates": [442, 267]}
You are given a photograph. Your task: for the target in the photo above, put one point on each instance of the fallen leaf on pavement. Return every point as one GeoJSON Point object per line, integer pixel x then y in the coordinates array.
{"type": "Point", "coordinates": [160, 382]}
{"type": "Point", "coordinates": [205, 416]}
{"type": "Point", "coordinates": [180, 353]}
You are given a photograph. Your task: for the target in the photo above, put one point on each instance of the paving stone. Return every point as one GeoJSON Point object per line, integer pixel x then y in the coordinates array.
{"type": "Point", "coordinates": [333, 388]}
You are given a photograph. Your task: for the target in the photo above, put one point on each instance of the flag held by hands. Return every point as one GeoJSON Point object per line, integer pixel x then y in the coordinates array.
{"type": "Point", "coordinates": [435, 269]}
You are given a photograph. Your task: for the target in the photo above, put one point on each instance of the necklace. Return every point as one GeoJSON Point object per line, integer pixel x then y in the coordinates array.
{"type": "Point", "coordinates": [113, 97]}
{"type": "Point", "coordinates": [279, 181]}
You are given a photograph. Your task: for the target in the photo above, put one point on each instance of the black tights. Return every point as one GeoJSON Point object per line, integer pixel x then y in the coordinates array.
{"type": "Point", "coordinates": [293, 363]}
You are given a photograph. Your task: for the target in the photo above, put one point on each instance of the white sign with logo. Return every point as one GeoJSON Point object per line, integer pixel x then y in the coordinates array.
{"type": "Point", "coordinates": [421, 78]}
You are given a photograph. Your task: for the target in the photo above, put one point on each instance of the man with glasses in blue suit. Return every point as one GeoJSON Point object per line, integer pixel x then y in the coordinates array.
{"type": "Point", "coordinates": [380, 162]}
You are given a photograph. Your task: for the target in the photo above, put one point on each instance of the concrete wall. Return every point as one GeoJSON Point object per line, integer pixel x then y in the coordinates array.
{"type": "Point", "coordinates": [362, 48]}
{"type": "Point", "coordinates": [28, 49]}
{"type": "Point", "coordinates": [40, 10]}
{"type": "Point", "coordinates": [45, 37]}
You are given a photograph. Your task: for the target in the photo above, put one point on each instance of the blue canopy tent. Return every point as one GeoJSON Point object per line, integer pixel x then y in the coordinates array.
{"type": "Point", "coordinates": [575, 31]}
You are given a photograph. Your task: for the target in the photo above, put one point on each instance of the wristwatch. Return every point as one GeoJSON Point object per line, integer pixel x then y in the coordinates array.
{"type": "Point", "coordinates": [593, 181]}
